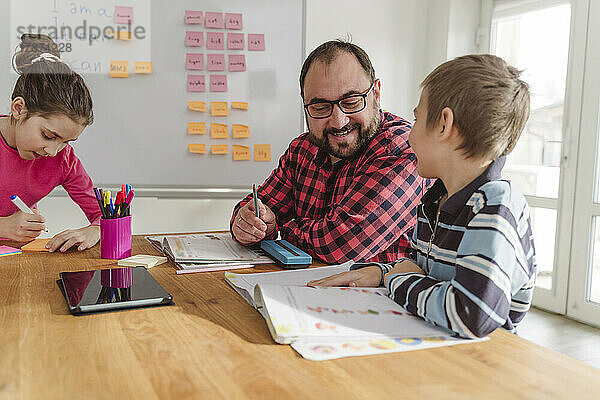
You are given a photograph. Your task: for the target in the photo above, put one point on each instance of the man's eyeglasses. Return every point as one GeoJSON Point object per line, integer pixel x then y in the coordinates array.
{"type": "Point", "coordinates": [349, 105]}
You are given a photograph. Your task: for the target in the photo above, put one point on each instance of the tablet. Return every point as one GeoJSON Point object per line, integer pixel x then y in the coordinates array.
{"type": "Point", "coordinates": [111, 289]}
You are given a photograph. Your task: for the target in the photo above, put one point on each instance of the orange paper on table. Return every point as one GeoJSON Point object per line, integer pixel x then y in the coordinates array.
{"type": "Point", "coordinates": [36, 245]}
{"type": "Point", "coordinates": [142, 67]}
{"type": "Point", "coordinates": [119, 69]}
{"type": "Point", "coordinates": [262, 152]}
{"type": "Point", "coordinates": [219, 149]}
{"type": "Point", "coordinates": [219, 108]}
{"type": "Point", "coordinates": [241, 153]}
{"type": "Point", "coordinates": [196, 128]}
{"type": "Point", "coordinates": [240, 105]}
{"type": "Point", "coordinates": [219, 131]}
{"type": "Point", "coordinates": [240, 131]}
{"type": "Point", "coordinates": [199, 148]}
{"type": "Point", "coordinates": [197, 106]}
{"type": "Point", "coordinates": [123, 35]}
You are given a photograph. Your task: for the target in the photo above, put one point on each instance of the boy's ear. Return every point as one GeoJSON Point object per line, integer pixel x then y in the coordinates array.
{"type": "Point", "coordinates": [17, 108]}
{"type": "Point", "coordinates": [446, 122]}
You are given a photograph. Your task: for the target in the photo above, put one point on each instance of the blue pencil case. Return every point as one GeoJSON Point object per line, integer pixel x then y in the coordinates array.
{"type": "Point", "coordinates": [285, 254]}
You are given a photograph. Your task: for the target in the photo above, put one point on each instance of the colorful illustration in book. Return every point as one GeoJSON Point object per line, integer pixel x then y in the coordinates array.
{"type": "Point", "coordinates": [383, 344]}
{"type": "Point", "coordinates": [324, 349]}
{"type": "Point", "coordinates": [413, 341]}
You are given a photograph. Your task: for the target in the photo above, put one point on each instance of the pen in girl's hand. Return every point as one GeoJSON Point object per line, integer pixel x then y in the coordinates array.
{"type": "Point", "coordinates": [22, 206]}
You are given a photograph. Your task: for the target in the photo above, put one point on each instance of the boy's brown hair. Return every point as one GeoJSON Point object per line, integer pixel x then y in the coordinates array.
{"type": "Point", "coordinates": [489, 101]}
{"type": "Point", "coordinates": [47, 85]}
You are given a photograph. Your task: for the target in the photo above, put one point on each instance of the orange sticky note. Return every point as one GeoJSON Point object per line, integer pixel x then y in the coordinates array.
{"type": "Point", "coordinates": [119, 69]}
{"type": "Point", "coordinates": [36, 245]}
{"type": "Point", "coordinates": [197, 106]}
{"type": "Point", "coordinates": [240, 131]}
{"type": "Point", "coordinates": [262, 152]}
{"type": "Point", "coordinates": [198, 148]}
{"type": "Point", "coordinates": [196, 128]}
{"type": "Point", "coordinates": [123, 35]}
{"type": "Point", "coordinates": [142, 67]}
{"type": "Point", "coordinates": [219, 149]}
{"type": "Point", "coordinates": [240, 105]}
{"type": "Point", "coordinates": [219, 108]}
{"type": "Point", "coordinates": [219, 131]}
{"type": "Point", "coordinates": [241, 153]}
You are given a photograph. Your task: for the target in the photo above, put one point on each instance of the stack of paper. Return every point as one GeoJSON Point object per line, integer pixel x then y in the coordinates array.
{"type": "Point", "coordinates": [327, 323]}
{"type": "Point", "coordinates": [207, 252]}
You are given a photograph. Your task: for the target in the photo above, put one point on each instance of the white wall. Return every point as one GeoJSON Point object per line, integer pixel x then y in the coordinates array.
{"type": "Point", "coordinates": [405, 40]}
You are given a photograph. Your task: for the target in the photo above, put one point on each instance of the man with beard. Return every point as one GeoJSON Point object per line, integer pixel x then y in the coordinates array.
{"type": "Point", "coordinates": [347, 189]}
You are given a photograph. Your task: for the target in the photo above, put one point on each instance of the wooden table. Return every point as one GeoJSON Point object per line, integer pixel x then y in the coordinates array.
{"type": "Point", "coordinates": [213, 345]}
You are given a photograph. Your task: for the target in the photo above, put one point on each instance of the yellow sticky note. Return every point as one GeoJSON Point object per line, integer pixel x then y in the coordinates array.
{"type": "Point", "coordinates": [262, 152]}
{"type": "Point", "coordinates": [196, 128]}
{"type": "Point", "coordinates": [219, 149]}
{"type": "Point", "coordinates": [219, 131]}
{"type": "Point", "coordinates": [119, 69]}
{"type": "Point", "coordinates": [142, 67]}
{"type": "Point", "coordinates": [198, 148]}
{"type": "Point", "coordinates": [36, 245]}
{"type": "Point", "coordinates": [197, 106]}
{"type": "Point", "coordinates": [123, 35]}
{"type": "Point", "coordinates": [219, 108]}
{"type": "Point", "coordinates": [241, 153]}
{"type": "Point", "coordinates": [240, 105]}
{"type": "Point", "coordinates": [240, 131]}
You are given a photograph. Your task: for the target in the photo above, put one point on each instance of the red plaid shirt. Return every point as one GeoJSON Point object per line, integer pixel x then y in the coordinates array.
{"type": "Point", "coordinates": [361, 209]}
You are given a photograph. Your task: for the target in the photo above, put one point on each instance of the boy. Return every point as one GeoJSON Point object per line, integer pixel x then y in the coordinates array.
{"type": "Point", "coordinates": [474, 262]}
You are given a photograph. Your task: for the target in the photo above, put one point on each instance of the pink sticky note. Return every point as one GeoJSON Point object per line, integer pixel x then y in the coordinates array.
{"type": "Point", "coordinates": [215, 41]}
{"type": "Point", "coordinates": [233, 21]}
{"type": "Point", "coordinates": [194, 39]}
{"type": "Point", "coordinates": [194, 61]}
{"type": "Point", "coordinates": [235, 41]}
{"type": "Point", "coordinates": [218, 83]}
{"type": "Point", "coordinates": [214, 20]}
{"type": "Point", "coordinates": [237, 62]}
{"type": "Point", "coordinates": [256, 42]}
{"type": "Point", "coordinates": [193, 17]}
{"type": "Point", "coordinates": [196, 83]}
{"type": "Point", "coordinates": [123, 15]}
{"type": "Point", "coordinates": [215, 62]}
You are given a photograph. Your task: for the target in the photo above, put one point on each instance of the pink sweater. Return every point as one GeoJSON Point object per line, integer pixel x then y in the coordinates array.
{"type": "Point", "coordinates": [32, 180]}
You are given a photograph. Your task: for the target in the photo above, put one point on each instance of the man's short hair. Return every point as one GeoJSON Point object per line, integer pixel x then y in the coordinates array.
{"type": "Point", "coordinates": [328, 51]}
{"type": "Point", "coordinates": [489, 101]}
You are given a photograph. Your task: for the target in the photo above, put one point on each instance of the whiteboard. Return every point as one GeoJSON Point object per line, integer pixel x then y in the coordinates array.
{"type": "Point", "coordinates": [140, 131]}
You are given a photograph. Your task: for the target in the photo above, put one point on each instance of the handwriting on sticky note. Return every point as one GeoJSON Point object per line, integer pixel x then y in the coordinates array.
{"type": "Point", "coordinates": [193, 17]}
{"type": "Point", "coordinates": [197, 106]}
{"type": "Point", "coordinates": [233, 21]}
{"type": "Point", "coordinates": [240, 105]}
{"type": "Point", "coordinates": [142, 67]}
{"type": "Point", "coordinates": [262, 152]}
{"type": "Point", "coordinates": [213, 20]}
{"type": "Point", "coordinates": [219, 149]}
{"type": "Point", "coordinates": [196, 83]}
{"type": "Point", "coordinates": [219, 131]}
{"type": "Point", "coordinates": [215, 62]}
{"type": "Point", "coordinates": [123, 15]}
{"type": "Point", "coordinates": [219, 108]}
{"type": "Point", "coordinates": [119, 69]}
{"type": "Point", "coordinates": [256, 42]}
{"type": "Point", "coordinates": [194, 61]}
{"type": "Point", "coordinates": [197, 128]}
{"type": "Point", "coordinates": [235, 41]}
{"type": "Point", "coordinates": [240, 153]}
{"type": "Point", "coordinates": [122, 34]}
{"type": "Point", "coordinates": [237, 62]}
{"type": "Point", "coordinates": [194, 39]}
{"type": "Point", "coordinates": [215, 41]}
{"type": "Point", "coordinates": [218, 83]}
{"type": "Point", "coordinates": [198, 148]}
{"type": "Point", "coordinates": [240, 131]}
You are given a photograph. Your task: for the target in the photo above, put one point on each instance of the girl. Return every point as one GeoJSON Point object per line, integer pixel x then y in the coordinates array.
{"type": "Point", "coordinates": [50, 107]}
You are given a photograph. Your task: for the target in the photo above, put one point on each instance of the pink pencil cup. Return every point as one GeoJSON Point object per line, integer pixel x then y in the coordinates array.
{"type": "Point", "coordinates": [115, 238]}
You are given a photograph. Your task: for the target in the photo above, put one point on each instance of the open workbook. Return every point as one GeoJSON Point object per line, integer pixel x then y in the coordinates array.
{"type": "Point", "coordinates": [325, 323]}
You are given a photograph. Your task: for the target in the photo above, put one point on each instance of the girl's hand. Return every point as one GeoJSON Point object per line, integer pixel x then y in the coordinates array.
{"type": "Point", "coordinates": [365, 277]}
{"type": "Point", "coordinates": [22, 227]}
{"type": "Point", "coordinates": [83, 238]}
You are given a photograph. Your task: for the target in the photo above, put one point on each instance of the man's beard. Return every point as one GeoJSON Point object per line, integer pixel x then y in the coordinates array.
{"type": "Point", "coordinates": [347, 150]}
